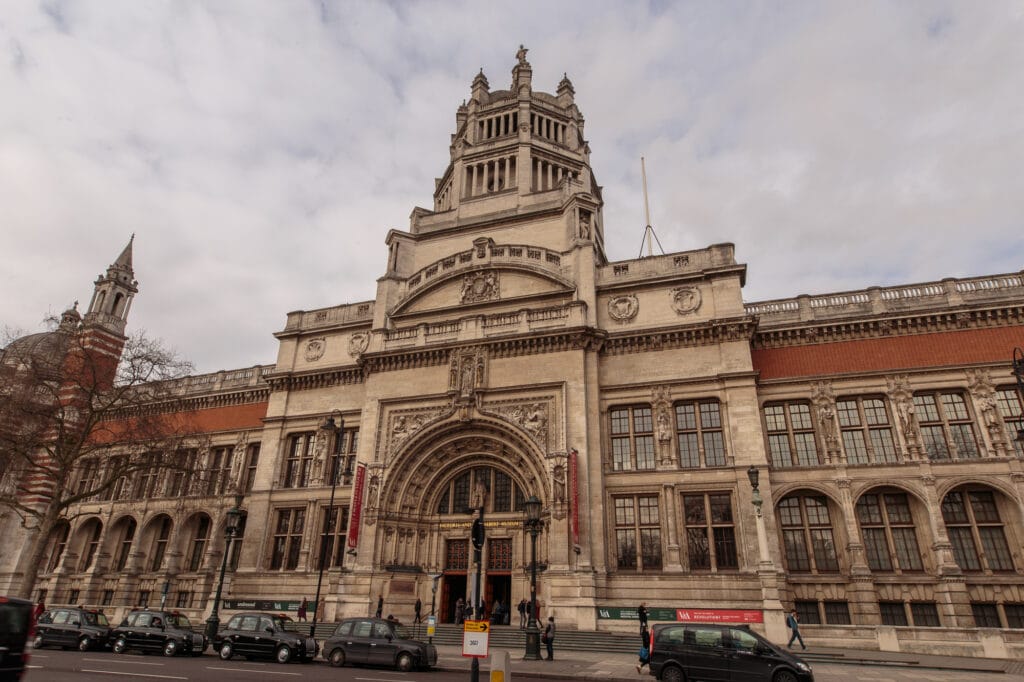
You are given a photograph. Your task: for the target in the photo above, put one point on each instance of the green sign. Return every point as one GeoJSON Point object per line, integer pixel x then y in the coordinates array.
{"type": "Point", "coordinates": [265, 605]}
{"type": "Point", "coordinates": [630, 613]}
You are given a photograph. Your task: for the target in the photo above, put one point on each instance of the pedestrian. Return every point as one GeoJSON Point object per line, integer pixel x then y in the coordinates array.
{"type": "Point", "coordinates": [417, 607]}
{"type": "Point", "coordinates": [523, 605]}
{"type": "Point", "coordinates": [468, 615]}
{"type": "Point", "coordinates": [40, 609]}
{"type": "Point", "coordinates": [459, 610]}
{"type": "Point", "coordinates": [302, 610]}
{"type": "Point", "coordinates": [549, 638]}
{"type": "Point", "coordinates": [380, 604]}
{"type": "Point", "coordinates": [641, 612]}
{"type": "Point", "coordinates": [645, 650]}
{"type": "Point", "coordinates": [793, 623]}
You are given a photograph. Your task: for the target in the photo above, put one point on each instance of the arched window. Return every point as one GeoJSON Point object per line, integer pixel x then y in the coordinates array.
{"type": "Point", "coordinates": [124, 546]}
{"type": "Point", "coordinates": [807, 534]}
{"type": "Point", "coordinates": [163, 534]}
{"type": "Point", "coordinates": [887, 526]}
{"type": "Point", "coordinates": [199, 538]}
{"type": "Point", "coordinates": [973, 521]}
{"type": "Point", "coordinates": [91, 543]}
{"type": "Point", "coordinates": [58, 543]}
{"type": "Point", "coordinates": [503, 493]}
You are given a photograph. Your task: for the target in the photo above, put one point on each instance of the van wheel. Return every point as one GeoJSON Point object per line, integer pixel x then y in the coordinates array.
{"type": "Point", "coordinates": [404, 662]}
{"type": "Point", "coordinates": [226, 652]}
{"type": "Point", "coordinates": [337, 658]}
{"type": "Point", "coordinates": [37, 642]}
{"type": "Point", "coordinates": [283, 655]}
{"type": "Point", "coordinates": [671, 673]}
{"type": "Point", "coordinates": [784, 676]}
{"type": "Point", "coordinates": [84, 644]}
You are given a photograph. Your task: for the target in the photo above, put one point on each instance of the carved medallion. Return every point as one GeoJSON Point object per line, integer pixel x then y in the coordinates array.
{"type": "Point", "coordinates": [686, 300]}
{"type": "Point", "coordinates": [315, 348]}
{"type": "Point", "coordinates": [623, 308]}
{"type": "Point", "coordinates": [480, 286]}
{"type": "Point", "coordinates": [357, 343]}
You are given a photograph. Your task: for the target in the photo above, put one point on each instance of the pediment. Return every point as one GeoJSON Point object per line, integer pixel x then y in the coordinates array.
{"type": "Point", "coordinates": [481, 285]}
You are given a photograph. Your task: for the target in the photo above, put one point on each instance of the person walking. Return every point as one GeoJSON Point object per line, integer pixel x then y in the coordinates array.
{"type": "Point", "coordinates": [301, 615]}
{"type": "Point", "coordinates": [549, 638]}
{"type": "Point", "coordinates": [459, 610]}
{"type": "Point", "coordinates": [793, 623]}
{"type": "Point", "coordinates": [417, 607]}
{"type": "Point", "coordinates": [40, 610]}
{"type": "Point", "coordinates": [380, 604]}
{"type": "Point", "coordinates": [641, 612]}
{"type": "Point", "coordinates": [645, 650]}
{"type": "Point", "coordinates": [523, 605]}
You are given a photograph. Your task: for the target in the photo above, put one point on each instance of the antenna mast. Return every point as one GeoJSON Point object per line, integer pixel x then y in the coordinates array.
{"type": "Point", "coordinates": [649, 235]}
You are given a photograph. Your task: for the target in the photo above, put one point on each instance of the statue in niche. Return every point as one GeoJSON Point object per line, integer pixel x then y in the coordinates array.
{"type": "Point", "coordinates": [371, 497]}
{"type": "Point", "coordinates": [479, 497]}
{"type": "Point", "coordinates": [468, 378]}
{"type": "Point", "coordinates": [664, 425]}
{"type": "Point", "coordinates": [826, 418]}
{"type": "Point", "coordinates": [584, 225]}
{"type": "Point", "coordinates": [559, 483]}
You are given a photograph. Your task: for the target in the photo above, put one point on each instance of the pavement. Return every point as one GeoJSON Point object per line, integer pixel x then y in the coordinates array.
{"type": "Point", "coordinates": [828, 664]}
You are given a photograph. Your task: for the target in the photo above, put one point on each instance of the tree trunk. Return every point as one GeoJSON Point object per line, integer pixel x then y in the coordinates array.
{"type": "Point", "coordinates": [35, 563]}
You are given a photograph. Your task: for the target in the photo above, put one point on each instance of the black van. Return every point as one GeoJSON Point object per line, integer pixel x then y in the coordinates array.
{"type": "Point", "coordinates": [15, 629]}
{"type": "Point", "coordinates": [711, 651]}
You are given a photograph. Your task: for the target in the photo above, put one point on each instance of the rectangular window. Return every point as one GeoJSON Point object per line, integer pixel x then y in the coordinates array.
{"type": "Point", "coordinates": [160, 544]}
{"type": "Point", "coordinates": [333, 536]}
{"type": "Point", "coordinates": [632, 436]}
{"type": "Point", "coordinates": [925, 614]}
{"type": "Point", "coordinates": [252, 461]}
{"type": "Point", "coordinates": [287, 539]}
{"type": "Point", "coordinates": [866, 431]}
{"type": "Point", "coordinates": [184, 600]}
{"type": "Point", "coordinates": [710, 535]}
{"type": "Point", "coordinates": [73, 596]}
{"type": "Point", "coordinates": [837, 613]}
{"type": "Point", "coordinates": [108, 598]}
{"type": "Point", "coordinates": [892, 613]}
{"type": "Point", "coordinates": [456, 555]}
{"type": "Point", "coordinates": [807, 612]}
{"type": "Point", "coordinates": [499, 554]}
{"type": "Point", "coordinates": [218, 471]}
{"type": "Point", "coordinates": [202, 534]}
{"type": "Point", "coordinates": [986, 615]}
{"type": "Point", "coordinates": [1014, 615]}
{"type": "Point", "coordinates": [699, 434]}
{"type": "Point", "coordinates": [791, 439]}
{"type": "Point", "coordinates": [1009, 402]}
{"type": "Point", "coordinates": [638, 519]}
{"type": "Point", "coordinates": [180, 480]}
{"type": "Point", "coordinates": [946, 425]}
{"type": "Point", "coordinates": [299, 460]}
{"type": "Point", "coordinates": [147, 476]}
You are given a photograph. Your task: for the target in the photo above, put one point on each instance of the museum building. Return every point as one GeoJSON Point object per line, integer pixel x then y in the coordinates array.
{"type": "Point", "coordinates": [853, 455]}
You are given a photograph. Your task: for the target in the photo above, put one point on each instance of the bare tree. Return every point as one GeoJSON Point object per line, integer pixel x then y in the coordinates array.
{"type": "Point", "coordinates": [78, 414]}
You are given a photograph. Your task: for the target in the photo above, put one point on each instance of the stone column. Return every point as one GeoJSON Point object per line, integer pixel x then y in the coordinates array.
{"type": "Point", "coordinates": [673, 559]}
{"type": "Point", "coordinates": [951, 592]}
{"type": "Point", "coordinates": [861, 590]}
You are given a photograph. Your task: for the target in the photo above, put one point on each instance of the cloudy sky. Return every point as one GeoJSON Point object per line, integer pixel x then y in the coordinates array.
{"type": "Point", "coordinates": [260, 150]}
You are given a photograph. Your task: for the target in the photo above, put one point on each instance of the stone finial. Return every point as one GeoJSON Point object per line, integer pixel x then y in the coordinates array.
{"type": "Point", "coordinates": [565, 88]}
{"type": "Point", "coordinates": [480, 87]}
{"type": "Point", "coordinates": [521, 55]}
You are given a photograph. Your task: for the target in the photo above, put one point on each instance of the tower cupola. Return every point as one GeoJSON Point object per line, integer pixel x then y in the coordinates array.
{"type": "Point", "coordinates": [113, 293]}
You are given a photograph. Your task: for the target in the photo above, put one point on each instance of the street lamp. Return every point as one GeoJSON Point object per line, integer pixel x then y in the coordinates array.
{"type": "Point", "coordinates": [230, 529]}
{"type": "Point", "coordinates": [532, 525]}
{"type": "Point", "coordinates": [339, 431]}
{"type": "Point", "coordinates": [754, 474]}
{"type": "Point", "coordinates": [1018, 372]}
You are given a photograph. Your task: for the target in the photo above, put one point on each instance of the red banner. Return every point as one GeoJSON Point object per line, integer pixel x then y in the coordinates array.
{"type": "Point", "coordinates": [574, 497]}
{"type": "Point", "coordinates": [357, 507]}
{"type": "Point", "coordinates": [720, 615]}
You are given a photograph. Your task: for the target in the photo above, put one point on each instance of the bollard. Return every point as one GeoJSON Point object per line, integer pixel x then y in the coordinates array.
{"type": "Point", "coordinates": [501, 670]}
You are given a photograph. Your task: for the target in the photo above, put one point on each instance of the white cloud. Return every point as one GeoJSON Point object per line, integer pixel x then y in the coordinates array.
{"type": "Point", "coordinates": [261, 150]}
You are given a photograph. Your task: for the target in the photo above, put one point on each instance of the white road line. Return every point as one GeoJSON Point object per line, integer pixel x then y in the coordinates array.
{"type": "Point", "coordinates": [107, 660]}
{"type": "Point", "coordinates": [250, 670]}
{"type": "Point", "coordinates": [114, 672]}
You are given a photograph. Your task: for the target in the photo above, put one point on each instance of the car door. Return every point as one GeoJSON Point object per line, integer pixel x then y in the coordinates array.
{"type": "Point", "coordinates": [59, 628]}
{"type": "Point", "coordinates": [230, 633]}
{"type": "Point", "coordinates": [135, 632]}
{"type": "Point", "coordinates": [747, 664]}
{"type": "Point", "coordinates": [245, 640]}
{"type": "Point", "coordinates": [264, 641]}
{"type": "Point", "coordinates": [358, 643]}
{"type": "Point", "coordinates": [43, 626]}
{"type": "Point", "coordinates": [706, 654]}
{"type": "Point", "coordinates": [382, 649]}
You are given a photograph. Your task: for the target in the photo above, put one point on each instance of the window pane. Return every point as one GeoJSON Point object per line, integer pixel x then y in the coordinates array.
{"type": "Point", "coordinates": [877, 549]}
{"type": "Point", "coordinates": [907, 553]}
{"type": "Point", "coordinates": [789, 512]}
{"type": "Point", "coordinates": [686, 417]}
{"type": "Point", "coordinates": [883, 445]}
{"type": "Point", "coordinates": [797, 558]}
{"type": "Point", "coordinates": [779, 447]}
{"type": "Point", "coordinates": [714, 449]}
{"type": "Point", "coordinates": [697, 544]}
{"type": "Point", "coordinates": [642, 422]}
{"type": "Point", "coordinates": [964, 550]}
{"type": "Point", "coordinates": [648, 510]}
{"type": "Point", "coordinates": [775, 417]}
{"type": "Point", "coordinates": [855, 447]}
{"type": "Point", "coordinates": [892, 613]}
{"type": "Point", "coordinates": [985, 615]}
{"type": "Point", "coordinates": [806, 450]}
{"type": "Point", "coordinates": [621, 460]}
{"type": "Point", "coordinates": [721, 509]}
{"type": "Point", "coordinates": [963, 437]}
{"type": "Point", "coordinates": [817, 511]}
{"type": "Point", "coordinates": [997, 553]}
{"type": "Point", "coordinates": [953, 508]}
{"type": "Point", "coordinates": [645, 452]}
{"type": "Point", "coordinates": [983, 504]}
{"type": "Point", "coordinates": [620, 421]}
{"type": "Point", "coordinates": [689, 453]}
{"type": "Point", "coordinates": [800, 416]}
{"type": "Point", "coordinates": [847, 412]}
{"type": "Point", "coordinates": [725, 548]}
{"type": "Point", "coordinates": [824, 549]}
{"type": "Point", "coordinates": [626, 547]}
{"type": "Point", "coordinates": [694, 509]}
{"type": "Point", "coordinates": [807, 612]}
{"type": "Point", "coordinates": [710, 416]}
{"type": "Point", "coordinates": [624, 514]}
{"type": "Point", "coordinates": [650, 539]}
{"type": "Point", "coordinates": [925, 614]}
{"type": "Point", "coordinates": [837, 613]}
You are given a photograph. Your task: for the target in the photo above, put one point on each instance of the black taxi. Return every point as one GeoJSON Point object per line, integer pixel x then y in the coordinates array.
{"type": "Point", "coordinates": [262, 635]}
{"type": "Point", "coordinates": [81, 628]}
{"type": "Point", "coordinates": [374, 641]}
{"type": "Point", "coordinates": [167, 632]}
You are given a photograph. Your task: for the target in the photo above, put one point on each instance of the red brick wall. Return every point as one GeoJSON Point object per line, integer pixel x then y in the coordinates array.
{"type": "Point", "coordinates": [893, 353]}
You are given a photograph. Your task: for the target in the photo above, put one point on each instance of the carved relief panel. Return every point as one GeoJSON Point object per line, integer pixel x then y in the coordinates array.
{"type": "Point", "coordinates": [824, 401]}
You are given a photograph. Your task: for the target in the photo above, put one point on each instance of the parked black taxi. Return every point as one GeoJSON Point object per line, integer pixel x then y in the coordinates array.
{"type": "Point", "coordinates": [167, 632]}
{"type": "Point", "coordinates": [375, 641]}
{"type": "Point", "coordinates": [70, 627]}
{"type": "Point", "coordinates": [261, 635]}
{"type": "Point", "coordinates": [15, 632]}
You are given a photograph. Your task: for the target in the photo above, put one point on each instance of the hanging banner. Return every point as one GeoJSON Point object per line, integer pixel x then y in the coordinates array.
{"type": "Point", "coordinates": [574, 498]}
{"type": "Point", "coordinates": [357, 507]}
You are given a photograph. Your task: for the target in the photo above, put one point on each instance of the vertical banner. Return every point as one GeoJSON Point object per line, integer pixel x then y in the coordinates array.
{"type": "Point", "coordinates": [357, 507]}
{"type": "Point", "coordinates": [574, 499]}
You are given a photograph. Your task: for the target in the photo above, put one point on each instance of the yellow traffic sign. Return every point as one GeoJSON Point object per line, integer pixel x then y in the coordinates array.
{"type": "Point", "coordinates": [476, 626]}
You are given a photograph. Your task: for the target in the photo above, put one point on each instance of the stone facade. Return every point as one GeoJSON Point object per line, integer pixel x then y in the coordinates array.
{"type": "Point", "coordinates": [504, 356]}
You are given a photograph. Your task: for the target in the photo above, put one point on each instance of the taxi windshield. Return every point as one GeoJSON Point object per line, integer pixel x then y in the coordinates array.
{"type": "Point", "coordinates": [279, 622]}
{"type": "Point", "coordinates": [401, 632]}
{"type": "Point", "coordinates": [94, 618]}
{"type": "Point", "coordinates": [179, 620]}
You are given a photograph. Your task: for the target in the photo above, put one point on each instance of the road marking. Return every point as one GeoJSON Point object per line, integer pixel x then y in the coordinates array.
{"type": "Point", "coordinates": [106, 660]}
{"type": "Point", "coordinates": [250, 670]}
{"type": "Point", "coordinates": [114, 672]}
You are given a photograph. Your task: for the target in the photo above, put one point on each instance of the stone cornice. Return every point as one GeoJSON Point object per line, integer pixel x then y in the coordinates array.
{"type": "Point", "coordinates": [701, 334]}
{"type": "Point", "coordinates": [882, 327]}
{"type": "Point", "coordinates": [298, 381]}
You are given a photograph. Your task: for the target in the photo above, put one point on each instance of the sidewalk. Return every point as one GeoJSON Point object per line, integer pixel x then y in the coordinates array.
{"type": "Point", "coordinates": [618, 666]}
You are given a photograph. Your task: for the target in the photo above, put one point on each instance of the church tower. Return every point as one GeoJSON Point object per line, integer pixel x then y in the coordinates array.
{"type": "Point", "coordinates": [112, 295]}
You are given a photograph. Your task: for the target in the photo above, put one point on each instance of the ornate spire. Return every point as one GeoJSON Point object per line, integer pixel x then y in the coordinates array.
{"type": "Point", "coordinates": [565, 87]}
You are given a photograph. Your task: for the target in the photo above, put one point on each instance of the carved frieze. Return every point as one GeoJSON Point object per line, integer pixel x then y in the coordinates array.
{"type": "Point", "coordinates": [480, 286]}
{"type": "Point", "coordinates": [686, 300]}
{"type": "Point", "coordinates": [405, 424]}
{"type": "Point", "coordinates": [358, 343]}
{"type": "Point", "coordinates": [623, 308]}
{"type": "Point", "coordinates": [531, 417]}
{"type": "Point", "coordinates": [315, 348]}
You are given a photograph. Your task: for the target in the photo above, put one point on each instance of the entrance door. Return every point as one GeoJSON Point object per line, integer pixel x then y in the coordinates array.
{"type": "Point", "coordinates": [499, 588]}
{"type": "Point", "coordinates": [454, 586]}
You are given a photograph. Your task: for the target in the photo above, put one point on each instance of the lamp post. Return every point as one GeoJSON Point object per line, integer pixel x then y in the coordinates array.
{"type": "Point", "coordinates": [230, 528]}
{"type": "Point", "coordinates": [433, 599]}
{"type": "Point", "coordinates": [339, 431]}
{"type": "Point", "coordinates": [1018, 372]}
{"type": "Point", "coordinates": [754, 474]}
{"type": "Point", "coordinates": [478, 536]}
{"type": "Point", "coordinates": [532, 525]}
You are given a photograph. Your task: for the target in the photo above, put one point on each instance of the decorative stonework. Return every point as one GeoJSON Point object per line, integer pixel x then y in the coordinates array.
{"type": "Point", "coordinates": [478, 287]}
{"type": "Point", "coordinates": [824, 400]}
{"type": "Point", "coordinates": [404, 425]}
{"type": "Point", "coordinates": [358, 343]}
{"type": "Point", "coordinates": [467, 371]}
{"type": "Point", "coordinates": [686, 300]}
{"type": "Point", "coordinates": [530, 417]}
{"type": "Point", "coordinates": [902, 396]}
{"type": "Point", "coordinates": [315, 348]}
{"type": "Point", "coordinates": [623, 308]}
{"type": "Point", "coordinates": [979, 383]}
{"type": "Point", "coordinates": [661, 403]}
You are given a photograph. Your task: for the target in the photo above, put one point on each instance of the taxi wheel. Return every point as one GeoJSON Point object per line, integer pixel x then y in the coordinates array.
{"type": "Point", "coordinates": [283, 655]}
{"type": "Point", "coordinates": [404, 662]}
{"type": "Point", "coordinates": [784, 676]}
{"type": "Point", "coordinates": [672, 673]}
{"type": "Point", "coordinates": [226, 652]}
{"type": "Point", "coordinates": [337, 658]}
{"type": "Point", "coordinates": [170, 647]}
{"type": "Point", "coordinates": [84, 644]}
{"type": "Point", "coordinates": [120, 646]}
{"type": "Point", "coordinates": [37, 642]}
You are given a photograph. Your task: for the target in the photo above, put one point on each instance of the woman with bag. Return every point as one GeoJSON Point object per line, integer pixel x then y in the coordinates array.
{"type": "Point", "coordinates": [645, 649]}
{"type": "Point", "coordinates": [549, 638]}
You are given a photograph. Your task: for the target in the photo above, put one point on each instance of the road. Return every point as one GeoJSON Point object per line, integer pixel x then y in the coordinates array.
{"type": "Point", "coordinates": [52, 665]}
